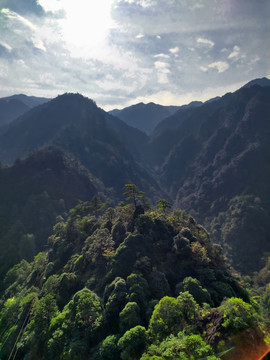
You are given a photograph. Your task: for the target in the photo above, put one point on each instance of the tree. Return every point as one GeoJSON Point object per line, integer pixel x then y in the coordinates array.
{"type": "Point", "coordinates": [132, 343]}
{"type": "Point", "coordinates": [129, 316]}
{"type": "Point", "coordinates": [194, 287]}
{"type": "Point", "coordinates": [188, 306]}
{"type": "Point", "coordinates": [44, 311]}
{"type": "Point", "coordinates": [180, 347]}
{"type": "Point", "coordinates": [164, 206]}
{"type": "Point", "coordinates": [132, 193]}
{"type": "Point", "coordinates": [166, 319]}
{"type": "Point", "coordinates": [108, 349]}
{"type": "Point", "coordinates": [238, 315]}
{"type": "Point", "coordinates": [96, 205]}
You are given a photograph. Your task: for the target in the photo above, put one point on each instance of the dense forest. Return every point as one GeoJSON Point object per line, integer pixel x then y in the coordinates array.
{"type": "Point", "coordinates": [130, 282]}
{"type": "Point", "coordinates": [93, 266]}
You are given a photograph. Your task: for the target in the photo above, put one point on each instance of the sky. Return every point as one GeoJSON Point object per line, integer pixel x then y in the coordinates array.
{"type": "Point", "coordinates": [121, 52]}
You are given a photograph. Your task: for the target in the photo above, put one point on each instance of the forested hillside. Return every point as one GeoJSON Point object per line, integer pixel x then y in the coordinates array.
{"type": "Point", "coordinates": [218, 169]}
{"type": "Point", "coordinates": [33, 192]}
{"type": "Point", "coordinates": [128, 283]}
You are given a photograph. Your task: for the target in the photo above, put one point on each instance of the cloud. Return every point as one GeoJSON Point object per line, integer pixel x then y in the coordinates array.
{"type": "Point", "coordinates": [162, 71]}
{"type": "Point", "coordinates": [206, 42]}
{"type": "Point", "coordinates": [118, 50]}
{"type": "Point", "coordinates": [174, 50]}
{"type": "Point", "coordinates": [235, 54]}
{"type": "Point", "coordinates": [14, 16]}
{"type": "Point", "coordinates": [162, 65]}
{"type": "Point", "coordinates": [164, 56]}
{"type": "Point", "coordinates": [23, 7]}
{"type": "Point", "coordinates": [203, 68]}
{"type": "Point", "coordinates": [220, 66]}
{"type": "Point", "coordinates": [5, 45]}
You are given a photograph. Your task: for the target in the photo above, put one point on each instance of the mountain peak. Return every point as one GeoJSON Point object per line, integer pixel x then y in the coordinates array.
{"type": "Point", "coordinates": [260, 82]}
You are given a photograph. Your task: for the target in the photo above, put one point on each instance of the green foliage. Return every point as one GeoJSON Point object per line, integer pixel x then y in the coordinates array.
{"type": "Point", "coordinates": [133, 194]}
{"type": "Point", "coordinates": [167, 318]}
{"type": "Point", "coordinates": [193, 286]}
{"type": "Point", "coordinates": [181, 347]}
{"type": "Point", "coordinates": [129, 317]}
{"type": "Point", "coordinates": [98, 289]}
{"type": "Point", "coordinates": [158, 284]}
{"type": "Point", "coordinates": [164, 206]}
{"type": "Point", "coordinates": [45, 309]}
{"type": "Point", "coordinates": [132, 343]}
{"type": "Point", "coordinates": [138, 291]}
{"type": "Point", "coordinates": [108, 349]}
{"type": "Point", "coordinates": [238, 315]}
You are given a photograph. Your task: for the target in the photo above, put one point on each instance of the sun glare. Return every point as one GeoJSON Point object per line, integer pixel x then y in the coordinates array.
{"type": "Point", "coordinates": [85, 25]}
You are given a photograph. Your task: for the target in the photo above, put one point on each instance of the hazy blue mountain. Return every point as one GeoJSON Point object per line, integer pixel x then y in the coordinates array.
{"type": "Point", "coordinates": [30, 101]}
{"type": "Point", "coordinates": [260, 82]}
{"type": "Point", "coordinates": [144, 116]}
{"type": "Point", "coordinates": [105, 145]}
{"type": "Point", "coordinates": [12, 107]}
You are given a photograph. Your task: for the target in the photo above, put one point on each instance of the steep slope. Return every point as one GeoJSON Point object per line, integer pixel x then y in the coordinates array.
{"type": "Point", "coordinates": [218, 169]}
{"type": "Point", "coordinates": [33, 192]}
{"type": "Point", "coordinates": [12, 107]}
{"type": "Point", "coordinates": [144, 116]}
{"type": "Point", "coordinates": [102, 143]}
{"type": "Point", "coordinates": [175, 129]}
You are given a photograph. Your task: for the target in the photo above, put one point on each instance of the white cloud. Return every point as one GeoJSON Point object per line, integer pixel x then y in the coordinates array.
{"type": "Point", "coordinates": [235, 53]}
{"type": "Point", "coordinates": [255, 59]}
{"type": "Point", "coordinates": [206, 42]}
{"type": "Point", "coordinates": [81, 43]}
{"type": "Point", "coordinates": [162, 71]}
{"type": "Point", "coordinates": [38, 43]}
{"type": "Point", "coordinates": [14, 16]}
{"type": "Point", "coordinates": [203, 68]}
{"type": "Point", "coordinates": [161, 65]}
{"type": "Point", "coordinates": [165, 56]}
{"type": "Point", "coordinates": [5, 45]}
{"type": "Point", "coordinates": [3, 70]}
{"type": "Point", "coordinates": [220, 66]}
{"type": "Point", "coordinates": [174, 50]}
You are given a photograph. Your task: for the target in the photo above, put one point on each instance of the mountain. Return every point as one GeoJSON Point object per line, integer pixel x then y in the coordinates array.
{"type": "Point", "coordinates": [136, 281]}
{"type": "Point", "coordinates": [33, 192]}
{"type": "Point", "coordinates": [30, 101]}
{"type": "Point", "coordinates": [103, 144]}
{"type": "Point", "coordinates": [176, 128]}
{"type": "Point", "coordinates": [260, 82]}
{"type": "Point", "coordinates": [216, 166]}
{"type": "Point", "coordinates": [127, 285]}
{"type": "Point", "coordinates": [144, 116]}
{"type": "Point", "coordinates": [16, 105]}
{"type": "Point", "coordinates": [211, 160]}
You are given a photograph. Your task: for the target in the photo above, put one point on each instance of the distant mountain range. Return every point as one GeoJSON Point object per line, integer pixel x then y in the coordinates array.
{"type": "Point", "coordinates": [210, 159]}
{"type": "Point", "coordinates": [146, 117]}
{"type": "Point", "coordinates": [12, 107]}
{"type": "Point", "coordinates": [105, 145]}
